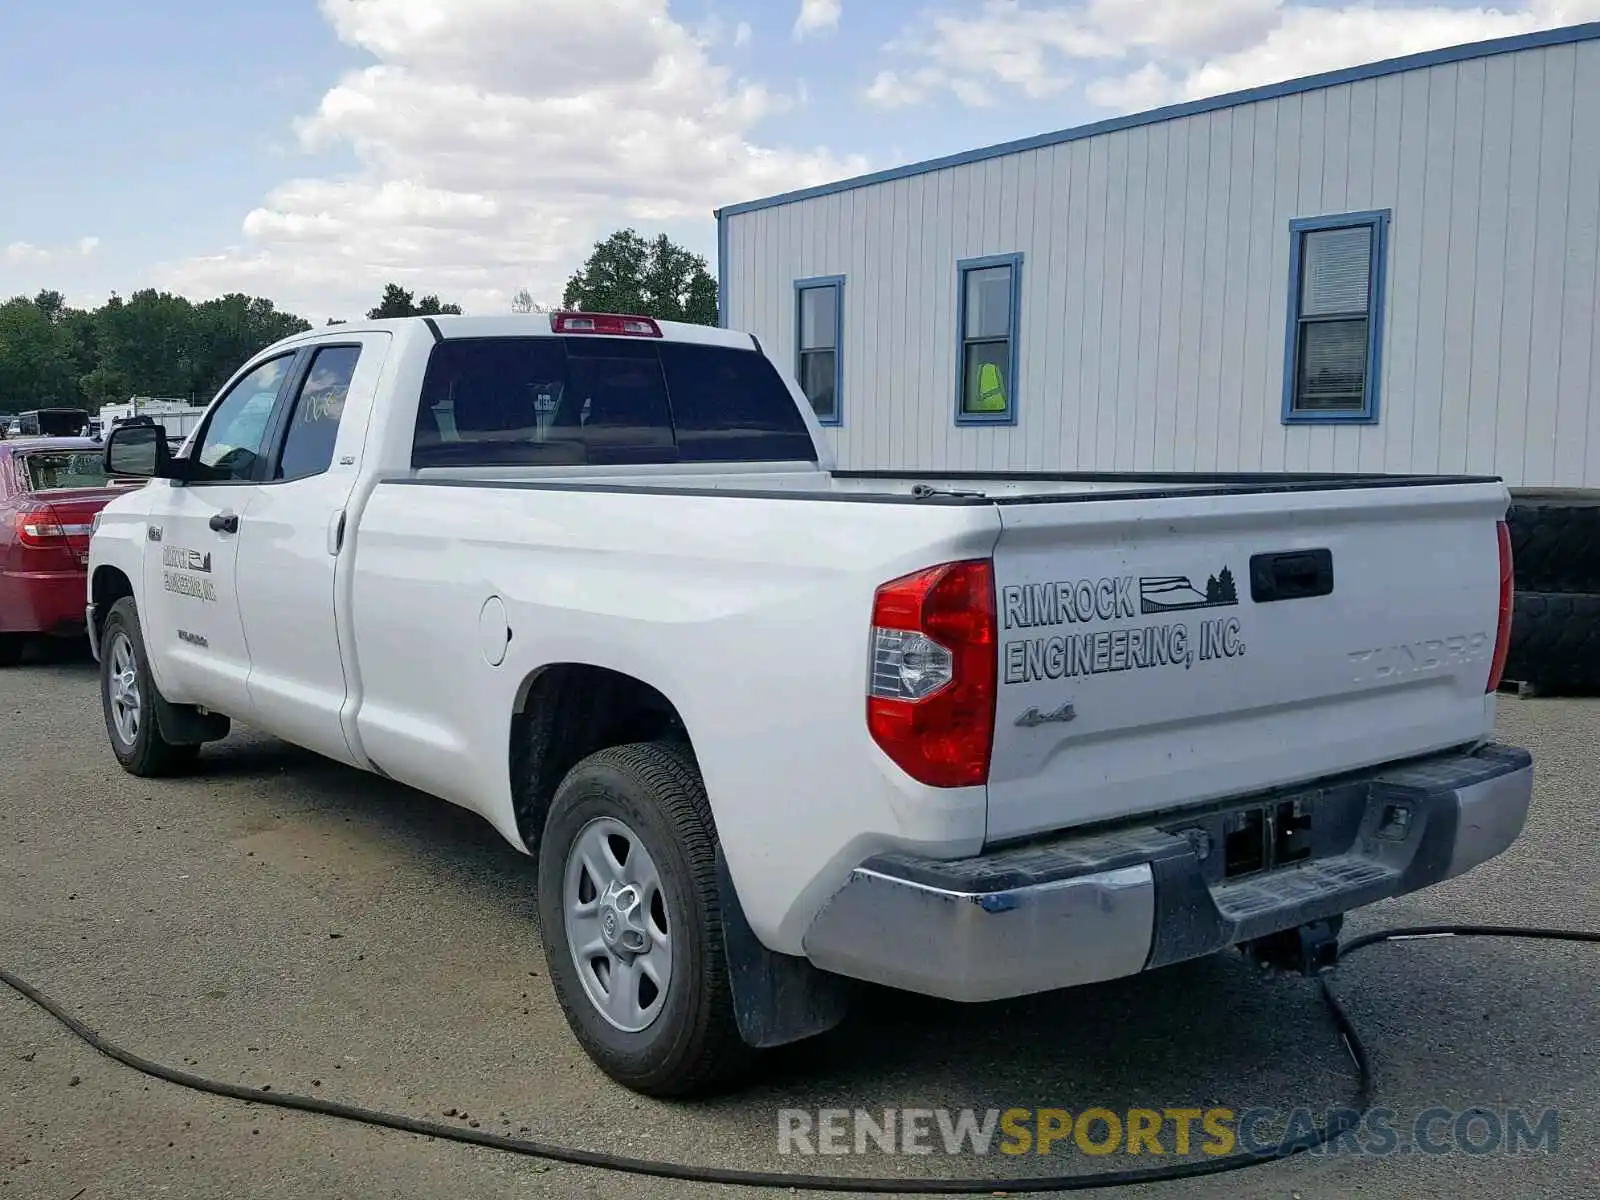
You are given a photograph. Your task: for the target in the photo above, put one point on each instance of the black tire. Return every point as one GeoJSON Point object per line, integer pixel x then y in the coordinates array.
{"type": "Point", "coordinates": [1555, 541]}
{"type": "Point", "coordinates": [147, 753]}
{"type": "Point", "coordinates": [693, 1045]}
{"type": "Point", "coordinates": [1555, 641]}
{"type": "Point", "coordinates": [12, 646]}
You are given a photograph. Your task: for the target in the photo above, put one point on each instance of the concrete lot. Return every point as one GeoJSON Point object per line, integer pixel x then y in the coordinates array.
{"type": "Point", "coordinates": [280, 920]}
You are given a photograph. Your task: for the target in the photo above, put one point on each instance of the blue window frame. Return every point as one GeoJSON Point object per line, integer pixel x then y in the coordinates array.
{"type": "Point", "coordinates": [989, 299]}
{"type": "Point", "coordinates": [1333, 348]}
{"type": "Point", "coordinates": [819, 344]}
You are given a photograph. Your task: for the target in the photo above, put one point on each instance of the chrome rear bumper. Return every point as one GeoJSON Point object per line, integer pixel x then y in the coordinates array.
{"type": "Point", "coordinates": [1084, 909]}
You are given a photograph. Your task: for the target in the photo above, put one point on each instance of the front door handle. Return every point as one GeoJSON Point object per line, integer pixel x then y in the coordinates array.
{"type": "Point", "coordinates": [225, 522]}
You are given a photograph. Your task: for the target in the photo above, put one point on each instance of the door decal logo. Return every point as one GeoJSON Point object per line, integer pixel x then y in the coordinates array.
{"type": "Point", "coordinates": [1179, 593]}
{"type": "Point", "coordinates": [186, 572]}
{"type": "Point", "coordinates": [186, 560]}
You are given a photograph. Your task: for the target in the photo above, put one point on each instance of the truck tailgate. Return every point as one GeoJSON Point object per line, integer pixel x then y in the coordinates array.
{"type": "Point", "coordinates": [1169, 650]}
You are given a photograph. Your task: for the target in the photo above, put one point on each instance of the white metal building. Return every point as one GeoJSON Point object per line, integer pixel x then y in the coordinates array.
{"type": "Point", "coordinates": [1386, 268]}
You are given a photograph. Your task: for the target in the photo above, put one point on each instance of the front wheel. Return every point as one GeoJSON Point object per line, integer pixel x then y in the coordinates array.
{"type": "Point", "coordinates": [128, 696]}
{"type": "Point", "coordinates": [631, 921]}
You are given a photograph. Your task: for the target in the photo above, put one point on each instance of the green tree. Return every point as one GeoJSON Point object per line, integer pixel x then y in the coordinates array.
{"type": "Point", "coordinates": [152, 343]}
{"type": "Point", "coordinates": [429, 306]}
{"type": "Point", "coordinates": [397, 302]}
{"type": "Point", "coordinates": [229, 330]}
{"type": "Point", "coordinates": [37, 363]}
{"type": "Point", "coordinates": [150, 340]}
{"type": "Point", "coordinates": [104, 385]}
{"type": "Point", "coordinates": [82, 329]}
{"type": "Point", "coordinates": [52, 304]}
{"type": "Point", "coordinates": [656, 278]}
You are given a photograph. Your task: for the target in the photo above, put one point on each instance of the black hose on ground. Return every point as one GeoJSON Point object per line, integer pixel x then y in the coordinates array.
{"type": "Point", "coordinates": [823, 1183]}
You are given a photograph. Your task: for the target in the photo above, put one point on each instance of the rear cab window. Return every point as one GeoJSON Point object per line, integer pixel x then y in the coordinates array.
{"type": "Point", "coordinates": [592, 401]}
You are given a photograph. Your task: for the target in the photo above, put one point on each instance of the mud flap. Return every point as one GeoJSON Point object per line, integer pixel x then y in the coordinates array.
{"type": "Point", "coordinates": [183, 725]}
{"type": "Point", "coordinates": [777, 998]}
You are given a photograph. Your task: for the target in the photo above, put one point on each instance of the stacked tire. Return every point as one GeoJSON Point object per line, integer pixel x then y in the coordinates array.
{"type": "Point", "coordinates": [1555, 624]}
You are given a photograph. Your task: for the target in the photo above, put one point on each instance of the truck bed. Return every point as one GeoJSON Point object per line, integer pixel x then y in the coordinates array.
{"type": "Point", "coordinates": [1207, 636]}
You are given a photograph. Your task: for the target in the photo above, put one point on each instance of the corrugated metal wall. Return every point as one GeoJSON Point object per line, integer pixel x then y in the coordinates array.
{"type": "Point", "coordinates": [1156, 276]}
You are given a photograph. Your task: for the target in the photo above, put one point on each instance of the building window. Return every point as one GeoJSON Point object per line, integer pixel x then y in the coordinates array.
{"type": "Point", "coordinates": [990, 294]}
{"type": "Point", "coordinates": [1335, 333]}
{"type": "Point", "coordinates": [819, 315]}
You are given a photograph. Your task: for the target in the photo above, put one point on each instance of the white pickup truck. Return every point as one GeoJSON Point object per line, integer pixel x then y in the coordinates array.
{"type": "Point", "coordinates": [768, 727]}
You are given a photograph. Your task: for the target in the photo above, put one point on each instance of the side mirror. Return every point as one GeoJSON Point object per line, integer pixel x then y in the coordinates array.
{"type": "Point", "coordinates": [140, 451]}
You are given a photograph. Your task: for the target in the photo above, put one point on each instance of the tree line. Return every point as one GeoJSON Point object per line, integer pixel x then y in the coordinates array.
{"type": "Point", "coordinates": [155, 343]}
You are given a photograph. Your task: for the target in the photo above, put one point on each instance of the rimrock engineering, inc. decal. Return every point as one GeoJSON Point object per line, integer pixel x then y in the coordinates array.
{"type": "Point", "coordinates": [187, 572]}
{"type": "Point", "coordinates": [1069, 651]}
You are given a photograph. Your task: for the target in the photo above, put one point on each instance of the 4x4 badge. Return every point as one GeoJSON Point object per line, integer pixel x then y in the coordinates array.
{"type": "Point", "coordinates": [1034, 717]}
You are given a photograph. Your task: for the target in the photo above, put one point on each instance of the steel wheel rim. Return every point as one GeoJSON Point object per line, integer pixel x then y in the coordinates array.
{"type": "Point", "coordinates": [122, 688]}
{"type": "Point", "coordinates": [618, 929]}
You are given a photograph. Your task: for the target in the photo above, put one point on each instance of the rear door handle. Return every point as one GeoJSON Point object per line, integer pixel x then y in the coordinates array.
{"type": "Point", "coordinates": [225, 522]}
{"type": "Point", "coordinates": [1292, 575]}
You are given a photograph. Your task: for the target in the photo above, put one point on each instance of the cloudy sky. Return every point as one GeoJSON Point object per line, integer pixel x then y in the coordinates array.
{"type": "Point", "coordinates": [309, 150]}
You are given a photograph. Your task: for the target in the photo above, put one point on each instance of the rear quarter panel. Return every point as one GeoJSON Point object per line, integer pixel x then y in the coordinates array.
{"type": "Point", "coordinates": [751, 616]}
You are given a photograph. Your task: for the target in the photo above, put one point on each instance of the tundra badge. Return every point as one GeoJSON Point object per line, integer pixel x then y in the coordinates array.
{"type": "Point", "coordinates": [1033, 717]}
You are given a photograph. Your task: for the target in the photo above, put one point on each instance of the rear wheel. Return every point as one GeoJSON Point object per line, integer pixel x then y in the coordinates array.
{"type": "Point", "coordinates": [11, 647]}
{"type": "Point", "coordinates": [128, 695]}
{"type": "Point", "coordinates": [631, 921]}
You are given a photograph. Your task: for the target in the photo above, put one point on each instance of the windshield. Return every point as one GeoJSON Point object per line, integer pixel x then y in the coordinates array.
{"type": "Point", "coordinates": [52, 470]}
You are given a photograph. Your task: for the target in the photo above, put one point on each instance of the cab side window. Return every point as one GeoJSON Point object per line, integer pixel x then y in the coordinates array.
{"type": "Point", "coordinates": [314, 421]}
{"type": "Point", "coordinates": [235, 436]}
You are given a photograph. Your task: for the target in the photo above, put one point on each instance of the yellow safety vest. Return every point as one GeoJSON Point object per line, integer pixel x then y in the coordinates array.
{"type": "Point", "coordinates": [991, 390]}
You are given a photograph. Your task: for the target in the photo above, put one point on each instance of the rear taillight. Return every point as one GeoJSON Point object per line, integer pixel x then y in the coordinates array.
{"type": "Point", "coordinates": [609, 324]}
{"type": "Point", "coordinates": [39, 529]}
{"type": "Point", "coordinates": [931, 698]}
{"type": "Point", "coordinates": [1502, 635]}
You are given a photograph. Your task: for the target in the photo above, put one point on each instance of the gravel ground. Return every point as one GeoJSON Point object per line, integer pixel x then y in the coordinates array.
{"type": "Point", "coordinates": [280, 920]}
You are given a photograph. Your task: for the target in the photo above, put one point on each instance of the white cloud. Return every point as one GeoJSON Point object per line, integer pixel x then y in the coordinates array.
{"type": "Point", "coordinates": [742, 34]}
{"type": "Point", "coordinates": [1148, 87]}
{"type": "Point", "coordinates": [1145, 53]}
{"type": "Point", "coordinates": [19, 254]}
{"type": "Point", "coordinates": [496, 140]}
{"type": "Point", "coordinates": [816, 16]}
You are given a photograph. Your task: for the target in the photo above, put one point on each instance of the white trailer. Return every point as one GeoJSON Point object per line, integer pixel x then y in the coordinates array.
{"type": "Point", "coordinates": [178, 417]}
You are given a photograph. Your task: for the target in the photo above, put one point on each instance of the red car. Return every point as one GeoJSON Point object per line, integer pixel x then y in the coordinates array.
{"type": "Point", "coordinates": [50, 490]}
